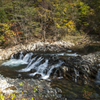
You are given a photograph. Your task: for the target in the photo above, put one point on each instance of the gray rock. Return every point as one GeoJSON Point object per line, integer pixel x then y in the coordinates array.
{"type": "Point", "coordinates": [95, 95]}
{"type": "Point", "coordinates": [38, 46]}
{"type": "Point", "coordinates": [58, 90]}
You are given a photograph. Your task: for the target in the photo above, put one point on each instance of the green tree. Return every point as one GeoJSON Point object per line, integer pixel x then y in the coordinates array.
{"type": "Point", "coordinates": [3, 16]}
{"type": "Point", "coordinates": [95, 19]}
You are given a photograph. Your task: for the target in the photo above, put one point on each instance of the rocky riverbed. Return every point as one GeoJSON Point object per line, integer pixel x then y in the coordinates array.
{"type": "Point", "coordinates": [29, 88]}
{"type": "Point", "coordinates": [80, 69]}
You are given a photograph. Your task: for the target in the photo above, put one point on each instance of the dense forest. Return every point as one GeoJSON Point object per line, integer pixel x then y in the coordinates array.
{"type": "Point", "coordinates": [23, 20]}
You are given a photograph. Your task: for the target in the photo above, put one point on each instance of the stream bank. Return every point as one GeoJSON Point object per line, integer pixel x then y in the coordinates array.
{"type": "Point", "coordinates": [37, 46]}
{"type": "Point", "coordinates": [28, 89]}
{"type": "Point", "coordinates": [80, 71]}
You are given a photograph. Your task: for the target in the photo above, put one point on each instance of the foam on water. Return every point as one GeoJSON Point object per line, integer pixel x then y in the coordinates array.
{"type": "Point", "coordinates": [69, 50]}
{"type": "Point", "coordinates": [23, 60]}
{"type": "Point", "coordinates": [72, 54]}
{"type": "Point", "coordinates": [27, 57]}
{"type": "Point", "coordinates": [50, 71]}
{"type": "Point", "coordinates": [64, 54]}
{"type": "Point", "coordinates": [31, 65]}
{"type": "Point", "coordinates": [14, 63]}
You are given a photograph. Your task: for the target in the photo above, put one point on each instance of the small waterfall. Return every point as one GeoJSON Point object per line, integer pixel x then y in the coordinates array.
{"type": "Point", "coordinates": [45, 65]}
{"type": "Point", "coordinates": [56, 74]}
{"type": "Point", "coordinates": [31, 65]}
{"type": "Point", "coordinates": [41, 68]}
{"type": "Point", "coordinates": [21, 55]}
{"type": "Point", "coordinates": [14, 62]}
{"type": "Point", "coordinates": [98, 77]}
{"type": "Point", "coordinates": [50, 70]}
{"type": "Point", "coordinates": [12, 56]}
{"type": "Point", "coordinates": [76, 74]}
{"type": "Point", "coordinates": [31, 61]}
{"type": "Point", "coordinates": [27, 57]}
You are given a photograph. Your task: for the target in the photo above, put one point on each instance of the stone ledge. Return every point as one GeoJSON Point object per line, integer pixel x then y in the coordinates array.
{"type": "Point", "coordinates": [37, 46]}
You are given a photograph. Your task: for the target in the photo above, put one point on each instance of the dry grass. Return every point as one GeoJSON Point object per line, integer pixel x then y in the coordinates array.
{"type": "Point", "coordinates": [75, 39]}
{"type": "Point", "coordinates": [85, 43]}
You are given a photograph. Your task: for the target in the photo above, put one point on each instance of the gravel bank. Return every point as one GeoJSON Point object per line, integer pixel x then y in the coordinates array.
{"type": "Point", "coordinates": [30, 88]}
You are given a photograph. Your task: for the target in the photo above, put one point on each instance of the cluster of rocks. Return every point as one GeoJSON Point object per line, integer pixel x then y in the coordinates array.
{"type": "Point", "coordinates": [29, 88]}
{"type": "Point", "coordinates": [82, 69]}
{"type": "Point", "coordinates": [38, 46]}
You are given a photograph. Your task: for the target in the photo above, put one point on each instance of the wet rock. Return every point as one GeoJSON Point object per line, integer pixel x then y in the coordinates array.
{"type": "Point", "coordinates": [83, 69]}
{"type": "Point", "coordinates": [57, 72]}
{"type": "Point", "coordinates": [95, 95]}
{"type": "Point", "coordinates": [66, 73]}
{"type": "Point", "coordinates": [58, 90]}
{"type": "Point", "coordinates": [32, 70]}
{"type": "Point", "coordinates": [65, 68]}
{"type": "Point", "coordinates": [19, 76]}
{"type": "Point", "coordinates": [59, 96]}
{"type": "Point", "coordinates": [37, 76]}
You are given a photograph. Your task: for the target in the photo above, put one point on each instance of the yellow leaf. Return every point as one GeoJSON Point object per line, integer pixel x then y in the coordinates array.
{"type": "Point", "coordinates": [21, 83]}
{"type": "Point", "coordinates": [32, 99]}
{"type": "Point", "coordinates": [1, 96]}
{"type": "Point", "coordinates": [57, 25]}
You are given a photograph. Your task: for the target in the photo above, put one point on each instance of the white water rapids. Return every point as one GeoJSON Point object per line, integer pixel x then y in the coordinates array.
{"type": "Point", "coordinates": [43, 66]}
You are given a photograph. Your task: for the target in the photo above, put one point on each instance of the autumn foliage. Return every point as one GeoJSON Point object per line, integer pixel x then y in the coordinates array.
{"type": "Point", "coordinates": [47, 18]}
{"type": "Point", "coordinates": [9, 31]}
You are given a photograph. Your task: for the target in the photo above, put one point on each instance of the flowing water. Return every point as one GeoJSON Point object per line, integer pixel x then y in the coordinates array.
{"type": "Point", "coordinates": [98, 77]}
{"type": "Point", "coordinates": [46, 66]}
{"type": "Point", "coordinates": [36, 65]}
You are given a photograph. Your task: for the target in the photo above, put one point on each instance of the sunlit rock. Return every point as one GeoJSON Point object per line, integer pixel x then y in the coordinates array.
{"type": "Point", "coordinates": [37, 46]}
{"type": "Point", "coordinates": [5, 87]}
